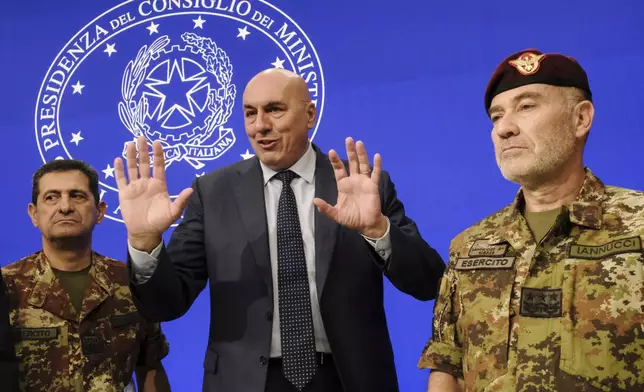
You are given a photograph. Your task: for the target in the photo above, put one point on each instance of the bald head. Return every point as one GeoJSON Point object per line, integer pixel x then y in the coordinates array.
{"type": "Point", "coordinates": [277, 78]}
{"type": "Point", "coordinates": [278, 113]}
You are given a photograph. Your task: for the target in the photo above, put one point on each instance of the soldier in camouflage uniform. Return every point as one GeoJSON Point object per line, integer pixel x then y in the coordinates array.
{"type": "Point", "coordinates": [548, 293]}
{"type": "Point", "coordinates": [8, 362]}
{"type": "Point", "coordinates": [75, 324]}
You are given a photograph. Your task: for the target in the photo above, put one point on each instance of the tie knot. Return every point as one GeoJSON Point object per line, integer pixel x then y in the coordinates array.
{"type": "Point", "coordinates": [286, 176]}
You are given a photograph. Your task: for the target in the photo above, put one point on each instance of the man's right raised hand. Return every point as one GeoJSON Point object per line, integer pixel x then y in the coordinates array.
{"type": "Point", "coordinates": [146, 206]}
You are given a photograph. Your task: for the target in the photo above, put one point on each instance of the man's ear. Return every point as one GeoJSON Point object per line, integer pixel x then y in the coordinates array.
{"type": "Point", "coordinates": [311, 112]}
{"type": "Point", "coordinates": [583, 113]}
{"type": "Point", "coordinates": [102, 207]}
{"type": "Point", "coordinates": [31, 210]}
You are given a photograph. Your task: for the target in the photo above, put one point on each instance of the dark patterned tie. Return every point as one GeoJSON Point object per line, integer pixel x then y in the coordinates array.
{"type": "Point", "coordinates": [296, 319]}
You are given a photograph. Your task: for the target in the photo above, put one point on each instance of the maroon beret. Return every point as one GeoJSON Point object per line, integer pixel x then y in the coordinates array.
{"type": "Point", "coordinates": [532, 66]}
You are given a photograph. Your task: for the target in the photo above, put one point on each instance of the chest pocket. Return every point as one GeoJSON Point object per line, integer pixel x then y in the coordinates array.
{"type": "Point", "coordinates": [41, 342]}
{"type": "Point", "coordinates": [485, 290]}
{"type": "Point", "coordinates": [119, 338]}
{"type": "Point", "coordinates": [126, 333]}
{"type": "Point", "coordinates": [603, 324]}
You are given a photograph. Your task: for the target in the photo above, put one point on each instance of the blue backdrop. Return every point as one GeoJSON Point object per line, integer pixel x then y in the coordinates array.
{"type": "Point", "coordinates": [406, 77]}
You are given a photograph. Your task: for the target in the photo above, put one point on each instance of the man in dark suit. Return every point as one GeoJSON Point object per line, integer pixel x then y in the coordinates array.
{"type": "Point", "coordinates": [8, 361]}
{"type": "Point", "coordinates": [296, 292]}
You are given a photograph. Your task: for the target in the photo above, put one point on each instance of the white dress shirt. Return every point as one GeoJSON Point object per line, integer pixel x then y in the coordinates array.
{"type": "Point", "coordinates": [143, 264]}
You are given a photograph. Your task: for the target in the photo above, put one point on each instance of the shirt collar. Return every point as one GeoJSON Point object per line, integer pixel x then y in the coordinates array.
{"type": "Point", "coordinates": [304, 167]}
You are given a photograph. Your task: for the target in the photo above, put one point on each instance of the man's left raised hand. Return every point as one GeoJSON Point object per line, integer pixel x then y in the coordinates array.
{"type": "Point", "coordinates": [358, 205]}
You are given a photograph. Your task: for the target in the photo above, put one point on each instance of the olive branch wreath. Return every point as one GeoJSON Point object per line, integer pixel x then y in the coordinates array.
{"type": "Point", "coordinates": [220, 101]}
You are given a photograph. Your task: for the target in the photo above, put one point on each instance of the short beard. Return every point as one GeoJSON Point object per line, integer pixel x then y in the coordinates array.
{"type": "Point", "coordinates": [546, 167]}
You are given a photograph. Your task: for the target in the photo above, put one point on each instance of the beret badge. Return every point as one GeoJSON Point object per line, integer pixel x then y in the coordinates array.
{"type": "Point", "coordinates": [527, 63]}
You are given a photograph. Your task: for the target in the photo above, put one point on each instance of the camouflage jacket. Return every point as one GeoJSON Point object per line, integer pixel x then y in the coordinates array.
{"type": "Point", "coordinates": [566, 314]}
{"type": "Point", "coordinates": [8, 362]}
{"type": "Point", "coordinates": [60, 350]}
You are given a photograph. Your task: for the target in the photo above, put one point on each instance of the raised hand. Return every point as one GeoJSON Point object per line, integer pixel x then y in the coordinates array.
{"type": "Point", "coordinates": [358, 205]}
{"type": "Point", "coordinates": [146, 207]}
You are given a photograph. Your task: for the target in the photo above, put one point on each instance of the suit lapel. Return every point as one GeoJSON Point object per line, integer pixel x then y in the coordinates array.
{"type": "Point", "coordinates": [325, 229]}
{"type": "Point", "coordinates": [249, 195]}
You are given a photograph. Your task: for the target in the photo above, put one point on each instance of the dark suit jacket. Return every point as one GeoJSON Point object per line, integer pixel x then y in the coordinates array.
{"type": "Point", "coordinates": [8, 361]}
{"type": "Point", "coordinates": [223, 240]}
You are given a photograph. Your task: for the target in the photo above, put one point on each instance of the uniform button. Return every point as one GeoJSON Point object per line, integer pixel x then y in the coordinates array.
{"type": "Point", "coordinates": [269, 316]}
{"type": "Point", "coordinates": [263, 360]}
{"type": "Point", "coordinates": [381, 252]}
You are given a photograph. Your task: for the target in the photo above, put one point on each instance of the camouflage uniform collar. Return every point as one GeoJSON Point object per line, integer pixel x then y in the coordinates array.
{"type": "Point", "coordinates": [43, 280]}
{"type": "Point", "coordinates": [585, 211]}
{"type": "Point", "coordinates": [44, 277]}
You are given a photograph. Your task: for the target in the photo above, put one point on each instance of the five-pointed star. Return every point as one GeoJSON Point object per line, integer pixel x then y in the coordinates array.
{"type": "Point", "coordinates": [109, 49]}
{"type": "Point", "coordinates": [109, 171]}
{"type": "Point", "coordinates": [243, 32]}
{"type": "Point", "coordinates": [153, 28]}
{"type": "Point", "coordinates": [247, 155]}
{"type": "Point", "coordinates": [199, 22]}
{"type": "Point", "coordinates": [181, 87]}
{"type": "Point", "coordinates": [76, 137]}
{"type": "Point", "coordinates": [278, 63]}
{"type": "Point", "coordinates": [78, 88]}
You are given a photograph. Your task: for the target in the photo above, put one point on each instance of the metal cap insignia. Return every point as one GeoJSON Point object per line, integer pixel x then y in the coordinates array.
{"type": "Point", "coordinates": [528, 63]}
